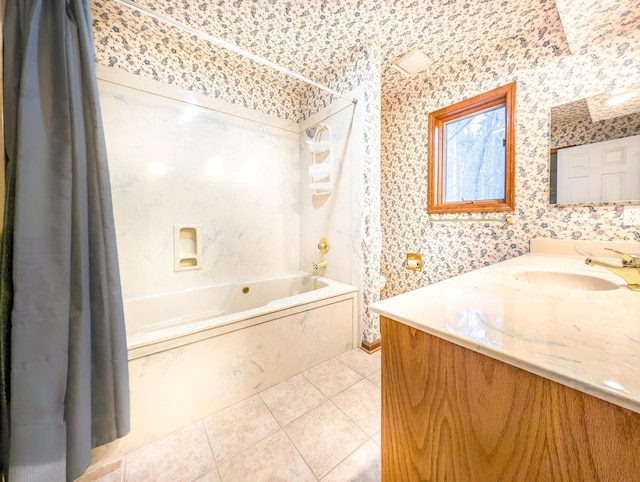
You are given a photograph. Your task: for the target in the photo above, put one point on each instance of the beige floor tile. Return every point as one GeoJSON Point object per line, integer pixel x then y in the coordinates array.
{"type": "Point", "coordinates": [364, 363]}
{"type": "Point", "coordinates": [362, 404]}
{"type": "Point", "coordinates": [293, 397]}
{"type": "Point", "coordinates": [363, 466]}
{"type": "Point", "coordinates": [272, 459]}
{"type": "Point", "coordinates": [103, 455]}
{"type": "Point", "coordinates": [111, 472]}
{"type": "Point", "coordinates": [181, 456]}
{"type": "Point", "coordinates": [235, 428]}
{"type": "Point", "coordinates": [377, 438]}
{"type": "Point", "coordinates": [212, 476]}
{"type": "Point", "coordinates": [324, 437]}
{"type": "Point", "coordinates": [333, 376]}
{"type": "Point", "coordinates": [376, 377]}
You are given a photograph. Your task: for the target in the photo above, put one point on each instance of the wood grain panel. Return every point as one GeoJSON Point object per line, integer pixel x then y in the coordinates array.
{"type": "Point", "coordinates": [449, 413]}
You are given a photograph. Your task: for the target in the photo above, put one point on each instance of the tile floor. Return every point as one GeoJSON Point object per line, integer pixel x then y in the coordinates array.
{"type": "Point", "coordinates": [323, 424]}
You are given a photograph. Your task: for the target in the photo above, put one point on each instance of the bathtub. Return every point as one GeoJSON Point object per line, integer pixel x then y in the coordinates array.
{"type": "Point", "coordinates": [194, 352]}
{"type": "Point", "coordinates": [161, 321]}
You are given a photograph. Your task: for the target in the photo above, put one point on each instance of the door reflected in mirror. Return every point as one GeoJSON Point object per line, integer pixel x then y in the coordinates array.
{"type": "Point", "coordinates": [595, 149]}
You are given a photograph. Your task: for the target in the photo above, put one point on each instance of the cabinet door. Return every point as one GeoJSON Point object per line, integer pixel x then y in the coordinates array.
{"type": "Point", "coordinates": [449, 413]}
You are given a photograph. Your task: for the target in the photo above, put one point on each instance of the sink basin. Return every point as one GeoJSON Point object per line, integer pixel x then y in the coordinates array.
{"type": "Point", "coordinates": [558, 279]}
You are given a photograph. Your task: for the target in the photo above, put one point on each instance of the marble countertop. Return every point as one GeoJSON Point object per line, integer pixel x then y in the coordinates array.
{"type": "Point", "coordinates": [587, 340]}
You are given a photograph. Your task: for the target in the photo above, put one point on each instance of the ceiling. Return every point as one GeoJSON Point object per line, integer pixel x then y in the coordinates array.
{"type": "Point", "coordinates": [312, 37]}
{"type": "Point", "coordinates": [588, 22]}
{"type": "Point", "coordinates": [597, 108]}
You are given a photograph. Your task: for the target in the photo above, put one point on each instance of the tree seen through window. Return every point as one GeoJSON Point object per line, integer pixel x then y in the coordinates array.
{"type": "Point", "coordinates": [472, 154]}
{"type": "Point", "coordinates": [474, 157]}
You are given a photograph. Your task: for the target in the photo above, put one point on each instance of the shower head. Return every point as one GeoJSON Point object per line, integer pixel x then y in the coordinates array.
{"type": "Point", "coordinates": [315, 130]}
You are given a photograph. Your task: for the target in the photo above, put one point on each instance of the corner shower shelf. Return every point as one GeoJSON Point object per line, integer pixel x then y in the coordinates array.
{"type": "Point", "coordinates": [322, 166]}
{"type": "Point", "coordinates": [319, 147]}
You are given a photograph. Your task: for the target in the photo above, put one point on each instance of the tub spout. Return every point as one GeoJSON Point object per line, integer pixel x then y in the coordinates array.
{"type": "Point", "coordinates": [628, 271]}
{"type": "Point", "coordinates": [318, 265]}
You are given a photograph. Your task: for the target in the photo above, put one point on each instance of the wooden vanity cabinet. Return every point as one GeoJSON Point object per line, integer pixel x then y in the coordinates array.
{"type": "Point", "coordinates": [452, 414]}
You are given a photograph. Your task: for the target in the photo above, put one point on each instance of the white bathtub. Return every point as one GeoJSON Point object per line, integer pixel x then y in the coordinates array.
{"type": "Point", "coordinates": [173, 318]}
{"type": "Point", "coordinates": [192, 352]}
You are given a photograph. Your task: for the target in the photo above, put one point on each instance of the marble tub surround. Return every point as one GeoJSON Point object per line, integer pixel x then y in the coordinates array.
{"type": "Point", "coordinates": [179, 158]}
{"type": "Point", "coordinates": [585, 339]}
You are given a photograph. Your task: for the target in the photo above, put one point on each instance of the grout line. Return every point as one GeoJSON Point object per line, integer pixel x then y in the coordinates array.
{"type": "Point", "coordinates": [241, 450]}
{"type": "Point", "coordinates": [302, 414]}
{"type": "Point", "coordinates": [347, 415]}
{"type": "Point", "coordinates": [268, 409]}
{"type": "Point", "coordinates": [366, 354]}
{"type": "Point", "coordinates": [347, 456]}
{"type": "Point", "coordinates": [299, 453]}
{"type": "Point", "coordinates": [350, 419]}
{"type": "Point", "coordinates": [329, 397]}
{"type": "Point", "coordinates": [213, 454]}
{"type": "Point", "coordinates": [246, 449]}
{"type": "Point", "coordinates": [341, 362]}
{"type": "Point", "coordinates": [355, 449]}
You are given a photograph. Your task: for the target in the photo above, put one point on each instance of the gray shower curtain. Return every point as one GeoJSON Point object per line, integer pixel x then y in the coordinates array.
{"type": "Point", "coordinates": [63, 325]}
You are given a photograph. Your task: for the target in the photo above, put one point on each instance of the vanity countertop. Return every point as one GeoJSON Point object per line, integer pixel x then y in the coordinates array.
{"type": "Point", "coordinates": [585, 339]}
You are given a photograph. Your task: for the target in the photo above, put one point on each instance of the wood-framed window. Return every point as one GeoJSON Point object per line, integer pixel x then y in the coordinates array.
{"type": "Point", "coordinates": [472, 154]}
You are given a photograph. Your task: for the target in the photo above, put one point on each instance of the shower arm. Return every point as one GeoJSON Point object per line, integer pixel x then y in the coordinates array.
{"type": "Point", "coordinates": [229, 46]}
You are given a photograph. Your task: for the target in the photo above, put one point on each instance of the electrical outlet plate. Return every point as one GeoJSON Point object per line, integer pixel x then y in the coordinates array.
{"type": "Point", "coordinates": [631, 216]}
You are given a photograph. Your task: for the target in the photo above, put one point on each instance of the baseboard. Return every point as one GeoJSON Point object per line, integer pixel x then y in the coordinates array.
{"type": "Point", "coordinates": [371, 347]}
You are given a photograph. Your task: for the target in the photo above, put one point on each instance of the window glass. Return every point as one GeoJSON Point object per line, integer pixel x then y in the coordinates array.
{"type": "Point", "coordinates": [474, 157]}
{"type": "Point", "coordinates": [472, 154]}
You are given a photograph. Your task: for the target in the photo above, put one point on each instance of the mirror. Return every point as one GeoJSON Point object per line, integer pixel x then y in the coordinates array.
{"type": "Point", "coordinates": [595, 149]}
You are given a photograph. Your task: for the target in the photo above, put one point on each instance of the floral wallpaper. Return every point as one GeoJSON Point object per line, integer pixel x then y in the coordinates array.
{"type": "Point", "coordinates": [315, 39]}
{"type": "Point", "coordinates": [556, 51]}
{"type": "Point", "coordinates": [129, 40]}
{"type": "Point", "coordinates": [601, 108]}
{"type": "Point", "coordinates": [569, 113]}
{"type": "Point", "coordinates": [370, 79]}
{"type": "Point", "coordinates": [589, 22]}
{"type": "Point", "coordinates": [583, 131]}
{"type": "Point", "coordinates": [449, 249]}
{"type": "Point", "coordinates": [312, 38]}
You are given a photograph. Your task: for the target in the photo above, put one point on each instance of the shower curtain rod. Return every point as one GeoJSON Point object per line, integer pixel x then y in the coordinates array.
{"type": "Point", "coordinates": [229, 46]}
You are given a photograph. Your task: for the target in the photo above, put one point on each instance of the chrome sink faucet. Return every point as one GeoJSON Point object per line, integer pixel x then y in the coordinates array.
{"type": "Point", "coordinates": [629, 270]}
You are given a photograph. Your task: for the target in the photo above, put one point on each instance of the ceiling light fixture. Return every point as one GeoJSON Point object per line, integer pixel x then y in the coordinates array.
{"type": "Point", "coordinates": [413, 62]}
{"type": "Point", "coordinates": [622, 95]}
{"type": "Point", "coordinates": [620, 98]}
